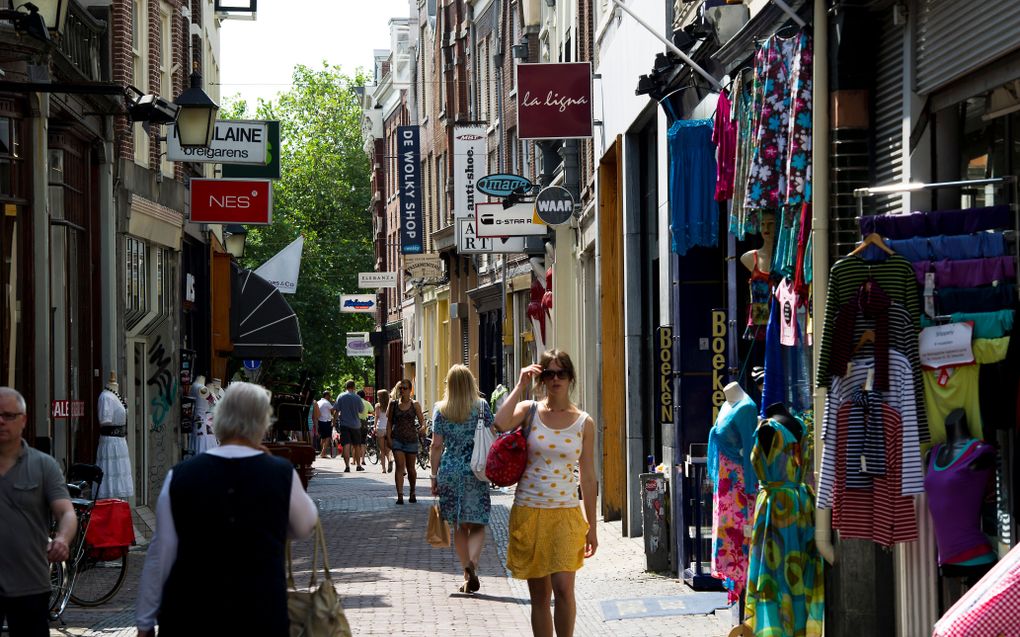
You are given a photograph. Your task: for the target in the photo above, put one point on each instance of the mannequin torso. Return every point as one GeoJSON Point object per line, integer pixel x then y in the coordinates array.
{"type": "Point", "coordinates": [734, 393]}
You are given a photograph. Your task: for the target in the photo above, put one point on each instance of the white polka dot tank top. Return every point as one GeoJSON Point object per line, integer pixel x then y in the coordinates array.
{"type": "Point", "coordinates": [550, 479]}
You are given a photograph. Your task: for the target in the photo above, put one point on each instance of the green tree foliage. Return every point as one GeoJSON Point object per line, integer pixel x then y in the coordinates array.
{"type": "Point", "coordinates": [323, 194]}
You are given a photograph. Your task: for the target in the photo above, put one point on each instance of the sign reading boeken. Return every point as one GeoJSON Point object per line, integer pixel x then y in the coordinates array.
{"type": "Point", "coordinates": [232, 201]}
{"type": "Point", "coordinates": [554, 101]}
{"type": "Point", "coordinates": [234, 142]}
{"type": "Point", "coordinates": [518, 220]}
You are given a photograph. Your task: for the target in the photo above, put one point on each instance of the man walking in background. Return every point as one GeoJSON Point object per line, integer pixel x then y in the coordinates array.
{"type": "Point", "coordinates": [324, 411]}
{"type": "Point", "coordinates": [367, 409]}
{"type": "Point", "coordinates": [348, 415]}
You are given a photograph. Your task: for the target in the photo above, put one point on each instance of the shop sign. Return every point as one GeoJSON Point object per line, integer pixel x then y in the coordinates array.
{"type": "Point", "coordinates": [284, 268]}
{"type": "Point", "coordinates": [67, 409]}
{"type": "Point", "coordinates": [664, 341]}
{"type": "Point", "coordinates": [468, 241]}
{"type": "Point", "coordinates": [423, 266]}
{"type": "Point", "coordinates": [502, 184]}
{"type": "Point", "coordinates": [493, 220]}
{"type": "Point", "coordinates": [252, 364]}
{"type": "Point", "coordinates": [554, 101]}
{"type": "Point", "coordinates": [468, 155]}
{"type": "Point", "coordinates": [719, 330]}
{"type": "Point", "coordinates": [942, 346]}
{"type": "Point", "coordinates": [358, 303]}
{"type": "Point", "coordinates": [554, 205]}
{"type": "Point", "coordinates": [271, 169]}
{"type": "Point", "coordinates": [359, 345]}
{"type": "Point", "coordinates": [248, 201]}
{"type": "Point", "coordinates": [233, 142]}
{"type": "Point", "coordinates": [409, 179]}
{"type": "Point", "coordinates": [375, 280]}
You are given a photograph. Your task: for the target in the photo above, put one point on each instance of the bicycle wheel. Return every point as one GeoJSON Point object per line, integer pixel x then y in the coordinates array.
{"type": "Point", "coordinates": [59, 589]}
{"type": "Point", "coordinates": [97, 581]}
{"type": "Point", "coordinates": [423, 455]}
{"type": "Point", "coordinates": [372, 451]}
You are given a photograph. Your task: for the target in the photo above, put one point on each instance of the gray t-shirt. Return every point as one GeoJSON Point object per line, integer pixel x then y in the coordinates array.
{"type": "Point", "coordinates": [348, 410]}
{"type": "Point", "coordinates": [26, 492]}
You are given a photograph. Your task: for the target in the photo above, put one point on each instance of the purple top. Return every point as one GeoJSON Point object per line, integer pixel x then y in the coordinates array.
{"type": "Point", "coordinates": [929, 224]}
{"type": "Point", "coordinates": [955, 495]}
{"type": "Point", "coordinates": [968, 273]}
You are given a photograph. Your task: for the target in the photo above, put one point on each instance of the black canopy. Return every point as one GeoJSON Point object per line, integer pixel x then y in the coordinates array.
{"type": "Point", "coordinates": [262, 325]}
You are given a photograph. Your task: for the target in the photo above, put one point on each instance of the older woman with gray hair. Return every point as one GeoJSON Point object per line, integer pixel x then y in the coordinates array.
{"type": "Point", "coordinates": [216, 561]}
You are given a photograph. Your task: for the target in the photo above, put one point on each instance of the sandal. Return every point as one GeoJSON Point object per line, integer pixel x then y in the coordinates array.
{"type": "Point", "coordinates": [472, 584]}
{"type": "Point", "coordinates": [412, 499]}
{"type": "Point", "coordinates": [400, 499]}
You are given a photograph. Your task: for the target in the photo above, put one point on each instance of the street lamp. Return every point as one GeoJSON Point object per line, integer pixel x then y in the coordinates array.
{"type": "Point", "coordinates": [531, 11]}
{"type": "Point", "coordinates": [196, 120]}
{"type": "Point", "coordinates": [234, 236]}
{"type": "Point", "coordinates": [37, 19]}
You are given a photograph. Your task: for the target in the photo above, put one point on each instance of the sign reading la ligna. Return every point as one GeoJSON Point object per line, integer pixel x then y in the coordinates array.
{"type": "Point", "coordinates": [554, 101]}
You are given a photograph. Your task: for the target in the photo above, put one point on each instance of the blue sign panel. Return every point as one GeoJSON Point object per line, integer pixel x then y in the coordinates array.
{"type": "Point", "coordinates": [252, 364]}
{"type": "Point", "coordinates": [502, 184]}
{"type": "Point", "coordinates": [409, 172]}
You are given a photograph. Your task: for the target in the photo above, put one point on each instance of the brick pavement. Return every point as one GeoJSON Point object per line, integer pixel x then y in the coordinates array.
{"type": "Point", "coordinates": [393, 583]}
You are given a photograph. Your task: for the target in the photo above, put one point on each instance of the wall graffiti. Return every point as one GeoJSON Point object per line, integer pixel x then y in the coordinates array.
{"type": "Point", "coordinates": [164, 382]}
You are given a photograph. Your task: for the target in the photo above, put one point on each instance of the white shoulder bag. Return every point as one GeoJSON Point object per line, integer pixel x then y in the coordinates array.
{"type": "Point", "coordinates": [484, 437]}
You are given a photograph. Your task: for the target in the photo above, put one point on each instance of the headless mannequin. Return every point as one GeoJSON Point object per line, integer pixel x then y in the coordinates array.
{"type": "Point", "coordinates": [734, 393]}
{"type": "Point", "coordinates": [217, 388]}
{"type": "Point", "coordinates": [764, 253]}
{"type": "Point", "coordinates": [782, 415]}
{"type": "Point", "coordinates": [958, 438]}
{"type": "Point", "coordinates": [113, 455]}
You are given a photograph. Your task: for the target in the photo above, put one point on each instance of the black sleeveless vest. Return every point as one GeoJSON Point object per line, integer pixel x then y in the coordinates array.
{"type": "Point", "coordinates": [231, 516]}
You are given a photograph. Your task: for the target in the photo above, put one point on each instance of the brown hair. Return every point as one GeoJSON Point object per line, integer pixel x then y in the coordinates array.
{"type": "Point", "coordinates": [384, 399]}
{"type": "Point", "coordinates": [563, 359]}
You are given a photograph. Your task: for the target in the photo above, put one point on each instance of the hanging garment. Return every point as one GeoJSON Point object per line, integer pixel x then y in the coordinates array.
{"type": "Point", "coordinates": [989, 298]}
{"type": "Point", "coordinates": [986, 324]}
{"type": "Point", "coordinates": [955, 494]}
{"type": "Point", "coordinates": [787, 369]}
{"type": "Point", "coordinates": [802, 273]}
{"type": "Point", "coordinates": [785, 595]}
{"type": "Point", "coordinates": [744, 221]}
{"type": "Point", "coordinates": [936, 222]}
{"type": "Point", "coordinates": [952, 247]}
{"type": "Point", "coordinates": [724, 136]}
{"type": "Point", "coordinates": [967, 273]}
{"type": "Point", "coordinates": [871, 303]}
{"type": "Point", "coordinates": [694, 213]}
{"type": "Point", "coordinates": [957, 388]}
{"type": "Point", "coordinates": [789, 303]}
{"type": "Point", "coordinates": [758, 308]}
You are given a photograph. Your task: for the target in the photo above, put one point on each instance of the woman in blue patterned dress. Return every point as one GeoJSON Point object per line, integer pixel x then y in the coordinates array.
{"type": "Point", "coordinates": [463, 498]}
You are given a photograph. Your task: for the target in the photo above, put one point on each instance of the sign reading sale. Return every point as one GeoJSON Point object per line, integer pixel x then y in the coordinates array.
{"type": "Point", "coordinates": [232, 201]}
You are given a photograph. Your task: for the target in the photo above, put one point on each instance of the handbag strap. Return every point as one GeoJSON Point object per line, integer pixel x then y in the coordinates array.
{"type": "Point", "coordinates": [320, 542]}
{"type": "Point", "coordinates": [526, 427]}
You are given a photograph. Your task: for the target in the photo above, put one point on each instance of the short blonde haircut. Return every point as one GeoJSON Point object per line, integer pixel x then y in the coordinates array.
{"type": "Point", "coordinates": [461, 394]}
{"type": "Point", "coordinates": [243, 412]}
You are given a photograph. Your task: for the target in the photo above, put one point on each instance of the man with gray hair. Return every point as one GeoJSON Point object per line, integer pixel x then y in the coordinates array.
{"type": "Point", "coordinates": [32, 489]}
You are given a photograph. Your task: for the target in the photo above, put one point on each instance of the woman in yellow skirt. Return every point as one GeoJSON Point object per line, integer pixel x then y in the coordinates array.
{"type": "Point", "coordinates": [549, 534]}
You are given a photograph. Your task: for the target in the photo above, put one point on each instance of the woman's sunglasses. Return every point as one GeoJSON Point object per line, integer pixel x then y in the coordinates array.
{"type": "Point", "coordinates": [548, 374]}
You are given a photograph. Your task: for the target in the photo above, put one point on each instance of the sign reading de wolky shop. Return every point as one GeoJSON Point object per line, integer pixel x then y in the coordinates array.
{"type": "Point", "coordinates": [554, 101]}
{"type": "Point", "coordinates": [232, 201]}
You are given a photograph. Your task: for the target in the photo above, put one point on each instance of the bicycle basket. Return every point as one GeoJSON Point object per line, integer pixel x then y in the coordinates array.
{"type": "Point", "coordinates": [109, 531]}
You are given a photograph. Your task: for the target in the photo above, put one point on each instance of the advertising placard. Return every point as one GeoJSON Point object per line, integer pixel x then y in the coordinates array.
{"type": "Point", "coordinates": [271, 169]}
{"type": "Point", "coordinates": [664, 349]}
{"type": "Point", "coordinates": [375, 280]}
{"type": "Point", "coordinates": [719, 337]}
{"type": "Point", "coordinates": [359, 345]}
{"type": "Point", "coordinates": [468, 155]}
{"type": "Point", "coordinates": [554, 205]}
{"type": "Point", "coordinates": [234, 141]}
{"type": "Point", "coordinates": [423, 266]}
{"type": "Point", "coordinates": [554, 101]}
{"type": "Point", "coordinates": [502, 184]}
{"type": "Point", "coordinates": [468, 241]}
{"type": "Point", "coordinates": [409, 178]}
{"type": "Point", "coordinates": [949, 345]}
{"type": "Point", "coordinates": [358, 303]}
{"type": "Point", "coordinates": [493, 220]}
{"type": "Point", "coordinates": [247, 201]}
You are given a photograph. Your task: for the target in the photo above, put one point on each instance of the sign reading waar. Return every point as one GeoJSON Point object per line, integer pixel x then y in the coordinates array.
{"type": "Point", "coordinates": [234, 142]}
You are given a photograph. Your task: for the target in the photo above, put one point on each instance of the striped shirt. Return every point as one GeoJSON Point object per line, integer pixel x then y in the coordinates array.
{"type": "Point", "coordinates": [900, 398]}
{"type": "Point", "coordinates": [895, 276]}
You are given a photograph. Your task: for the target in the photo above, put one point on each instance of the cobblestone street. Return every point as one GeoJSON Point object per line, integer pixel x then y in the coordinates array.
{"type": "Point", "coordinates": [393, 583]}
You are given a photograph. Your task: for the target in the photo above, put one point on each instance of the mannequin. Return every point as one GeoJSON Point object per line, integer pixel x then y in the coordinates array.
{"type": "Point", "coordinates": [217, 388]}
{"type": "Point", "coordinates": [205, 399]}
{"type": "Point", "coordinates": [764, 253]}
{"type": "Point", "coordinates": [959, 472]}
{"type": "Point", "coordinates": [782, 415]}
{"type": "Point", "coordinates": [734, 487]}
{"type": "Point", "coordinates": [759, 262]}
{"type": "Point", "coordinates": [113, 456]}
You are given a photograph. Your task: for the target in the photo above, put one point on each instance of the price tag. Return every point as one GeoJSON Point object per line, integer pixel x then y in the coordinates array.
{"type": "Point", "coordinates": [869, 382]}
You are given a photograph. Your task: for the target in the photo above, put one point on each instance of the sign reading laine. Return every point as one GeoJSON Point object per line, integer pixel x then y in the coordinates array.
{"type": "Point", "coordinates": [271, 169]}
{"type": "Point", "coordinates": [468, 154]}
{"type": "Point", "coordinates": [234, 142]}
{"type": "Point", "coordinates": [554, 101]}
{"type": "Point", "coordinates": [409, 175]}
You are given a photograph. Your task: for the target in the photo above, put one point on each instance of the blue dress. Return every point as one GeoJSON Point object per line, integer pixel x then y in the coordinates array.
{"type": "Point", "coordinates": [463, 498]}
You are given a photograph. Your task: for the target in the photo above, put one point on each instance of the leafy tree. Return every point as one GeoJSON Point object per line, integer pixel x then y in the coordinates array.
{"type": "Point", "coordinates": [324, 194]}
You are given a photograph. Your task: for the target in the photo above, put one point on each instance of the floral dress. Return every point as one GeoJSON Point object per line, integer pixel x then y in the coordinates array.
{"type": "Point", "coordinates": [785, 595]}
{"type": "Point", "coordinates": [463, 498]}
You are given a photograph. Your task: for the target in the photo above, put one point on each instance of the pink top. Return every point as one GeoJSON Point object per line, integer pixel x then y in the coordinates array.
{"type": "Point", "coordinates": [724, 136]}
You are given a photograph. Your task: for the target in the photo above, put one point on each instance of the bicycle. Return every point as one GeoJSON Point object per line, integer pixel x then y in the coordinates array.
{"type": "Point", "coordinates": [425, 445]}
{"type": "Point", "coordinates": [372, 446]}
{"type": "Point", "coordinates": [89, 577]}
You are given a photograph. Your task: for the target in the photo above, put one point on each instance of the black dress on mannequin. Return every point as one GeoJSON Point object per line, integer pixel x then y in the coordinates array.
{"type": "Point", "coordinates": [781, 414]}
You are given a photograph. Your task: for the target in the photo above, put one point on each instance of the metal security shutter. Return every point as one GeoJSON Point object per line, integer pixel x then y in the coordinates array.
{"type": "Point", "coordinates": [955, 37]}
{"type": "Point", "coordinates": [889, 114]}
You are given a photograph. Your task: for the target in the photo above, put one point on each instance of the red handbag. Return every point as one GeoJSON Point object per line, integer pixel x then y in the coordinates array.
{"type": "Point", "coordinates": [110, 531]}
{"type": "Point", "coordinates": [508, 455]}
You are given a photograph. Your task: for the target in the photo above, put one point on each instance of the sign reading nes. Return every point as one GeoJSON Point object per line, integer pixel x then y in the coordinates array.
{"type": "Point", "coordinates": [231, 201]}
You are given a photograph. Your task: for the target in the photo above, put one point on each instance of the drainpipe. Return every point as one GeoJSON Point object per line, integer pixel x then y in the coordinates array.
{"type": "Point", "coordinates": [820, 238]}
{"type": "Point", "coordinates": [498, 59]}
{"type": "Point", "coordinates": [108, 259]}
{"type": "Point", "coordinates": [40, 408]}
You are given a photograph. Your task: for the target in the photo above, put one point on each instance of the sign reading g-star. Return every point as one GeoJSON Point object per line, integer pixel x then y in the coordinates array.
{"type": "Point", "coordinates": [247, 201]}
{"type": "Point", "coordinates": [516, 221]}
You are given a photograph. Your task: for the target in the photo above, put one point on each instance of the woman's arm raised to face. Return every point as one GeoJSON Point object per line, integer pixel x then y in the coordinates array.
{"type": "Point", "coordinates": [511, 413]}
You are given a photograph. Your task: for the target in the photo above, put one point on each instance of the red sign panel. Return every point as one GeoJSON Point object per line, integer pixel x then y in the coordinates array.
{"type": "Point", "coordinates": [554, 101]}
{"type": "Point", "coordinates": [232, 201]}
{"type": "Point", "coordinates": [67, 409]}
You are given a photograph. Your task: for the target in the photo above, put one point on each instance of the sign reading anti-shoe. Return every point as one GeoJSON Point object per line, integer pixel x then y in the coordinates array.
{"type": "Point", "coordinates": [271, 169]}
{"type": "Point", "coordinates": [232, 201]}
{"type": "Point", "coordinates": [358, 303]}
{"type": "Point", "coordinates": [468, 156]}
{"type": "Point", "coordinates": [554, 101]}
{"type": "Point", "coordinates": [516, 221]}
{"type": "Point", "coordinates": [554, 205]}
{"type": "Point", "coordinates": [373, 280]}
{"type": "Point", "coordinates": [409, 178]}
{"type": "Point", "coordinates": [234, 142]}
{"type": "Point", "coordinates": [468, 241]}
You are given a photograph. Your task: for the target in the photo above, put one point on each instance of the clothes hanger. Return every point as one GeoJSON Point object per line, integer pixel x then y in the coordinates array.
{"type": "Point", "coordinates": [867, 338]}
{"type": "Point", "coordinates": [873, 239]}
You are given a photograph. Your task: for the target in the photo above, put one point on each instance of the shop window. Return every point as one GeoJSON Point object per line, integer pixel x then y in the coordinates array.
{"type": "Point", "coordinates": [135, 281]}
{"type": "Point", "coordinates": [166, 61]}
{"type": "Point", "coordinates": [11, 160]}
{"type": "Point", "coordinates": [139, 74]}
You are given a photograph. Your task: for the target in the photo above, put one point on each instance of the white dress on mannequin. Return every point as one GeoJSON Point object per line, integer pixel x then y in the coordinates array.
{"type": "Point", "coordinates": [205, 400]}
{"type": "Point", "coordinates": [113, 456]}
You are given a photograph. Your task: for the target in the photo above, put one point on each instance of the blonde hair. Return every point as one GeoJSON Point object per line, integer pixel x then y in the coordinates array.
{"type": "Point", "coordinates": [461, 394]}
{"type": "Point", "coordinates": [384, 399]}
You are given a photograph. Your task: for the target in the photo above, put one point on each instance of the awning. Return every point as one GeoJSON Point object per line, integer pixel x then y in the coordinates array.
{"type": "Point", "coordinates": [262, 323]}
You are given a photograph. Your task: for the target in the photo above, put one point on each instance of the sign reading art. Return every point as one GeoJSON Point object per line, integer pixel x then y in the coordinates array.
{"type": "Point", "coordinates": [234, 142]}
{"type": "Point", "coordinates": [358, 303]}
{"type": "Point", "coordinates": [373, 280]}
{"type": "Point", "coordinates": [518, 220]}
{"type": "Point", "coordinates": [409, 178]}
{"type": "Point", "coordinates": [468, 241]}
{"type": "Point", "coordinates": [554, 101]}
{"type": "Point", "coordinates": [232, 201]}
{"type": "Point", "coordinates": [468, 156]}
{"type": "Point", "coordinates": [664, 348]}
